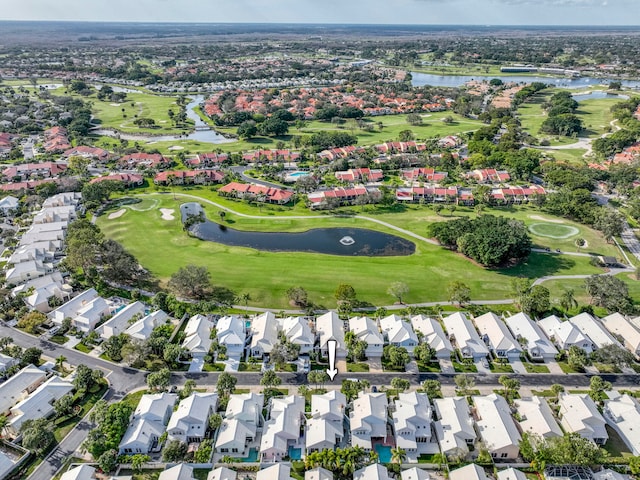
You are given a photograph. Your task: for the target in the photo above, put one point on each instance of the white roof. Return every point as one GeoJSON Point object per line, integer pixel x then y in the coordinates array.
{"type": "Point", "coordinates": [279, 471]}
{"type": "Point", "coordinates": [155, 406]}
{"type": "Point", "coordinates": [40, 403]}
{"type": "Point", "coordinates": [580, 414]}
{"type": "Point", "coordinates": [193, 410]}
{"type": "Point", "coordinates": [142, 328]}
{"type": "Point", "coordinates": [13, 390]}
{"type": "Point", "coordinates": [369, 412]}
{"type": "Point", "coordinates": [82, 472]}
{"type": "Point", "coordinates": [120, 321]}
{"type": "Point", "coordinates": [465, 334]}
{"type": "Point", "coordinates": [623, 413]}
{"type": "Point", "coordinates": [511, 474]}
{"type": "Point", "coordinates": [565, 333]}
{"type": "Point", "coordinates": [397, 330]}
{"type": "Point", "coordinates": [141, 431]}
{"type": "Point", "coordinates": [234, 431]}
{"type": "Point", "coordinates": [497, 333]}
{"type": "Point", "coordinates": [372, 472]}
{"type": "Point", "coordinates": [298, 331]}
{"type": "Point", "coordinates": [6, 361]}
{"type": "Point", "coordinates": [230, 330]}
{"type": "Point", "coordinates": [330, 404]}
{"type": "Point", "coordinates": [9, 202]}
{"type": "Point", "coordinates": [66, 198]}
{"type": "Point", "coordinates": [455, 424]}
{"type": "Point", "coordinates": [536, 417]}
{"type": "Point", "coordinates": [623, 328]}
{"type": "Point", "coordinates": [197, 335]}
{"type": "Point", "coordinates": [329, 326]}
{"type": "Point", "coordinates": [321, 431]}
{"type": "Point", "coordinates": [31, 268]}
{"type": "Point", "coordinates": [412, 412]}
{"type": "Point", "coordinates": [222, 473]}
{"type": "Point", "coordinates": [181, 471]}
{"type": "Point", "coordinates": [433, 333]}
{"type": "Point", "coordinates": [265, 331]}
{"type": "Point", "coordinates": [245, 406]}
{"type": "Point", "coordinates": [73, 306]}
{"type": "Point", "coordinates": [496, 426]}
{"type": "Point", "coordinates": [284, 423]}
{"type": "Point", "coordinates": [415, 473]}
{"type": "Point", "coordinates": [608, 474]}
{"type": "Point", "coordinates": [366, 330]}
{"type": "Point", "coordinates": [6, 464]}
{"type": "Point", "coordinates": [470, 472]}
{"type": "Point", "coordinates": [318, 473]}
{"type": "Point", "coordinates": [593, 329]}
{"type": "Point", "coordinates": [522, 326]}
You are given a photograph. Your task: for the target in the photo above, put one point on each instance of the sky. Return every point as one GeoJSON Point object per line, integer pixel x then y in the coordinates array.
{"type": "Point", "coordinates": [443, 12]}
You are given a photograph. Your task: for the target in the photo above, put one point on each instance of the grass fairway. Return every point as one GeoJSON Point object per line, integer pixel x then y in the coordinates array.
{"type": "Point", "coordinates": [163, 247]}
{"type": "Point", "coordinates": [553, 230]}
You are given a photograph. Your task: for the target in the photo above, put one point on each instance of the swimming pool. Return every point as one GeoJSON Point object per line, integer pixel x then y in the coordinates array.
{"type": "Point", "coordinates": [295, 453]}
{"type": "Point", "coordinates": [298, 174]}
{"type": "Point", "coordinates": [252, 457]}
{"type": "Point", "coordinates": [384, 453]}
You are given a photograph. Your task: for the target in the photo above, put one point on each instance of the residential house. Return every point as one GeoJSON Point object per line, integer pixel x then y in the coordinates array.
{"type": "Point", "coordinates": [208, 160]}
{"type": "Point", "coordinates": [489, 175]}
{"type": "Point", "coordinates": [330, 406]}
{"type": "Point", "coordinates": [529, 334]}
{"type": "Point", "coordinates": [24, 271]}
{"type": "Point", "coordinates": [322, 434]}
{"type": "Point", "coordinates": [264, 334]}
{"type": "Point", "coordinates": [454, 427]}
{"type": "Point", "coordinates": [623, 415]}
{"type": "Point", "coordinates": [19, 386]}
{"type": "Point", "coordinates": [38, 404]}
{"type": "Point", "coordinates": [129, 180]}
{"type": "Point", "coordinates": [85, 311]}
{"type": "Point", "coordinates": [422, 174]}
{"type": "Point", "coordinates": [434, 335]}
{"type": "Point", "coordinates": [238, 431]}
{"type": "Point", "coordinates": [298, 332]}
{"type": "Point", "coordinates": [625, 330]}
{"type": "Point", "coordinates": [147, 424]}
{"type": "Point", "coordinates": [141, 330]}
{"type": "Point", "coordinates": [536, 417]}
{"type": "Point", "coordinates": [338, 195]}
{"type": "Point", "coordinates": [182, 471]}
{"type": "Point", "coordinates": [8, 205]}
{"type": "Point", "coordinates": [82, 472]}
{"type": "Point", "coordinates": [363, 175]}
{"type": "Point", "coordinates": [463, 334]}
{"type": "Point", "coordinates": [197, 339]}
{"type": "Point", "coordinates": [511, 474]}
{"type": "Point", "coordinates": [330, 327]}
{"type": "Point", "coordinates": [412, 423]}
{"type": "Point", "coordinates": [145, 160]}
{"type": "Point", "coordinates": [398, 332]}
{"type": "Point", "coordinates": [258, 192]}
{"type": "Point", "coordinates": [367, 331]}
{"type": "Point", "coordinates": [470, 472]}
{"type": "Point", "coordinates": [565, 334]}
{"type": "Point", "coordinates": [579, 414]}
{"type": "Point", "coordinates": [368, 419]}
{"type": "Point", "coordinates": [497, 336]}
{"type": "Point", "coordinates": [121, 320]}
{"type": "Point", "coordinates": [188, 177]}
{"type": "Point", "coordinates": [7, 362]}
{"type": "Point", "coordinates": [283, 429]}
{"type": "Point", "coordinates": [222, 473]}
{"type": "Point", "coordinates": [375, 471]}
{"type": "Point", "coordinates": [278, 471]}
{"type": "Point", "coordinates": [415, 473]}
{"type": "Point", "coordinates": [29, 171]}
{"type": "Point", "coordinates": [496, 426]}
{"type": "Point", "coordinates": [608, 474]}
{"type": "Point", "coordinates": [592, 328]}
{"type": "Point", "coordinates": [93, 153]}
{"type": "Point", "coordinates": [318, 473]}
{"type": "Point", "coordinates": [231, 332]}
{"type": "Point", "coordinates": [190, 421]}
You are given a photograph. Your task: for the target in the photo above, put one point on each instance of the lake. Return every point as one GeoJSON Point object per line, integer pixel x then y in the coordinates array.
{"type": "Point", "coordinates": [421, 79]}
{"type": "Point", "coordinates": [330, 241]}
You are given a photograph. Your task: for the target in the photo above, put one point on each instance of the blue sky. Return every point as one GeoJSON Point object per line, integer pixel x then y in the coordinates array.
{"type": "Point", "coordinates": [490, 12]}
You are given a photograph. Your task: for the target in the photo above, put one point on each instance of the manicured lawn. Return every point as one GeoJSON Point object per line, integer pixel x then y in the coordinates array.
{"type": "Point", "coordinates": [535, 367]}
{"type": "Point", "coordinates": [544, 393]}
{"type": "Point", "coordinates": [249, 367]}
{"type": "Point", "coordinates": [64, 425]}
{"type": "Point", "coordinates": [59, 339]}
{"type": "Point", "coordinates": [497, 367]}
{"type": "Point", "coordinates": [357, 367]}
{"type": "Point", "coordinates": [604, 368]}
{"type": "Point", "coordinates": [83, 348]}
{"type": "Point", "coordinates": [288, 367]}
{"type": "Point", "coordinates": [432, 367]}
{"type": "Point", "coordinates": [213, 367]}
{"type": "Point", "coordinates": [566, 368]}
{"type": "Point", "coordinates": [464, 367]}
{"type": "Point", "coordinates": [267, 275]}
{"type": "Point", "coordinates": [132, 399]}
{"type": "Point", "coordinates": [388, 367]}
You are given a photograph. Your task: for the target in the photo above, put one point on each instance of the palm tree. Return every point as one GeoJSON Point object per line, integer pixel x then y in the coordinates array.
{"type": "Point", "coordinates": [398, 455]}
{"type": "Point", "coordinates": [244, 298]}
{"type": "Point", "coordinates": [60, 362]}
{"type": "Point", "coordinates": [568, 300]}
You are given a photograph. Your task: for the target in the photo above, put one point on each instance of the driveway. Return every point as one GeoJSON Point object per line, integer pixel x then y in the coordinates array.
{"type": "Point", "coordinates": [446, 366]}
{"type": "Point", "coordinates": [375, 364]}
{"type": "Point", "coordinates": [196, 365]}
{"type": "Point", "coordinates": [518, 366]}
{"type": "Point", "coordinates": [554, 368]}
{"type": "Point", "coordinates": [481, 368]}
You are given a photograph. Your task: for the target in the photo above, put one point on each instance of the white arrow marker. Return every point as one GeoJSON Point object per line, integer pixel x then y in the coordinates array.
{"type": "Point", "coordinates": [332, 371]}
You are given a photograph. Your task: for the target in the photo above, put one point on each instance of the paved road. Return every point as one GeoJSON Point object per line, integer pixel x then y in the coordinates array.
{"type": "Point", "coordinates": [240, 171]}
{"type": "Point", "coordinates": [630, 240]}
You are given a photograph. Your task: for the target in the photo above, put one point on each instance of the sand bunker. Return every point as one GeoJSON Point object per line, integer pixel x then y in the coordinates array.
{"type": "Point", "coordinates": [167, 213]}
{"type": "Point", "coordinates": [176, 147]}
{"type": "Point", "coordinates": [550, 220]}
{"type": "Point", "coordinates": [117, 214]}
{"type": "Point", "coordinates": [115, 104]}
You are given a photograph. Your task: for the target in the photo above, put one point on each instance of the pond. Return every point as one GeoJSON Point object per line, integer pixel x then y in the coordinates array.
{"type": "Point", "coordinates": [329, 241]}
{"type": "Point", "coordinates": [579, 97]}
